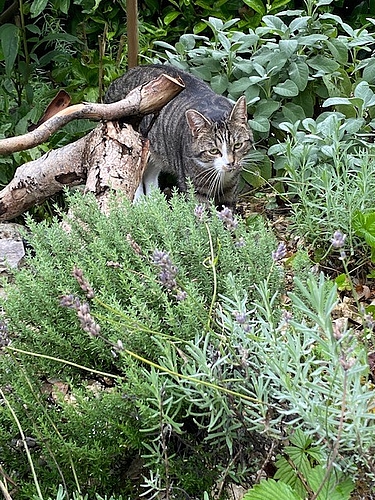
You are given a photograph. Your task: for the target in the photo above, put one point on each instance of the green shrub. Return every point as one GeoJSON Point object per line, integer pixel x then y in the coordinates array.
{"type": "Point", "coordinates": [329, 174]}
{"type": "Point", "coordinates": [157, 335]}
{"type": "Point", "coordinates": [100, 432]}
{"type": "Point", "coordinates": [289, 68]}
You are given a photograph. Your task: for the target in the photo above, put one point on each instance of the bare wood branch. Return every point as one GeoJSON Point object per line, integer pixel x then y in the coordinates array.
{"type": "Point", "coordinates": [111, 157]}
{"type": "Point", "coordinates": [145, 99]}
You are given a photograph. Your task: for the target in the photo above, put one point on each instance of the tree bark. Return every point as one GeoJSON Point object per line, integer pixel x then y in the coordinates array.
{"type": "Point", "coordinates": [116, 163]}
{"type": "Point", "coordinates": [111, 157]}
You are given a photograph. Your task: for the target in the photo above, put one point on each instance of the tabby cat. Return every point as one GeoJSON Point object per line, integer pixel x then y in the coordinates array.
{"type": "Point", "coordinates": [199, 135]}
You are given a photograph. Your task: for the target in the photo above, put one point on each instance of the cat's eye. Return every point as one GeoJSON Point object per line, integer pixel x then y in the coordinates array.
{"type": "Point", "coordinates": [214, 151]}
{"type": "Point", "coordinates": [238, 145]}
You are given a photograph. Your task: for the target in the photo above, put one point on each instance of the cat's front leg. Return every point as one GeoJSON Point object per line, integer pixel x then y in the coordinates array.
{"type": "Point", "coordinates": [151, 175]}
{"type": "Point", "coordinates": [149, 180]}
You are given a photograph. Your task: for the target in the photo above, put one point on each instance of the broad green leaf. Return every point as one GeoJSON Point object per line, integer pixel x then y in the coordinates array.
{"type": "Point", "coordinates": [260, 124]}
{"type": "Point", "coordinates": [239, 85]}
{"type": "Point", "coordinates": [171, 16]}
{"type": "Point", "coordinates": [33, 29]}
{"type": "Point", "coordinates": [298, 23]}
{"type": "Point", "coordinates": [266, 108]}
{"type": "Point", "coordinates": [337, 85]}
{"type": "Point", "coordinates": [364, 226]}
{"type": "Point", "coordinates": [333, 488]}
{"type": "Point", "coordinates": [334, 101]}
{"type": "Point", "coordinates": [286, 89]}
{"type": "Point", "coordinates": [165, 45]}
{"type": "Point", "coordinates": [271, 490]}
{"type": "Point", "coordinates": [9, 45]}
{"type": "Point", "coordinates": [292, 112]}
{"type": "Point", "coordinates": [306, 100]}
{"type": "Point", "coordinates": [188, 41]}
{"type": "Point", "coordinates": [37, 7]}
{"type": "Point", "coordinates": [339, 50]}
{"type": "Point", "coordinates": [219, 84]}
{"type": "Point", "coordinates": [256, 5]}
{"type": "Point", "coordinates": [199, 27]}
{"type": "Point", "coordinates": [311, 40]}
{"type": "Point", "coordinates": [323, 64]}
{"type": "Point", "coordinates": [247, 41]}
{"type": "Point", "coordinates": [310, 125]}
{"type": "Point", "coordinates": [277, 149]}
{"type": "Point", "coordinates": [230, 23]}
{"type": "Point", "coordinates": [299, 73]}
{"type": "Point", "coordinates": [288, 47]}
{"type": "Point", "coordinates": [243, 65]}
{"type": "Point", "coordinates": [64, 6]}
{"type": "Point", "coordinates": [364, 92]}
{"type": "Point", "coordinates": [276, 24]}
{"type": "Point", "coordinates": [225, 42]}
{"type": "Point", "coordinates": [369, 71]}
{"type": "Point", "coordinates": [278, 4]}
{"type": "Point", "coordinates": [215, 23]}
{"type": "Point", "coordinates": [354, 125]}
{"type": "Point", "coordinates": [254, 178]}
{"type": "Point", "coordinates": [286, 472]}
{"type": "Point", "coordinates": [202, 72]}
{"type": "Point", "coordinates": [252, 94]}
{"type": "Point", "coordinates": [339, 21]}
{"type": "Point", "coordinates": [276, 62]}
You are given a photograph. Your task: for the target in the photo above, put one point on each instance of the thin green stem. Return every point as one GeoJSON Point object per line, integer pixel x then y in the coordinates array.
{"type": "Point", "coordinates": [336, 446]}
{"type": "Point", "coordinates": [43, 409]}
{"type": "Point", "coordinates": [193, 379]}
{"type": "Point", "coordinates": [212, 263]}
{"type": "Point", "coordinates": [149, 363]}
{"type": "Point", "coordinates": [63, 361]}
{"type": "Point", "coordinates": [23, 437]}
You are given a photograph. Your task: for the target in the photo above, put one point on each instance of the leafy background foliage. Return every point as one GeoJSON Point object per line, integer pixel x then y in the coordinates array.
{"type": "Point", "coordinates": [185, 398]}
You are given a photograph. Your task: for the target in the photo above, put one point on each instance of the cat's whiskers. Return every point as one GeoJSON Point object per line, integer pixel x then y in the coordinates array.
{"type": "Point", "coordinates": [208, 178]}
{"type": "Point", "coordinates": [213, 178]}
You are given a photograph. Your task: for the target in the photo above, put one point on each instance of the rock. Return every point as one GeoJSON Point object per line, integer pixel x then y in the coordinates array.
{"type": "Point", "coordinates": [12, 249]}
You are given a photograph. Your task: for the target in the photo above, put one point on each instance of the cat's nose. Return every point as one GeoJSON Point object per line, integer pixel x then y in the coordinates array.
{"type": "Point", "coordinates": [232, 166]}
{"type": "Point", "coordinates": [230, 163]}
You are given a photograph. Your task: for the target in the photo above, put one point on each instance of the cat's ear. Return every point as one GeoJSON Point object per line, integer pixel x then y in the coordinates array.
{"type": "Point", "coordinates": [239, 111]}
{"type": "Point", "coordinates": [196, 121]}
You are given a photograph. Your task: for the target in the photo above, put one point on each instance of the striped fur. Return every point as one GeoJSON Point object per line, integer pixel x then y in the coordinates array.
{"type": "Point", "coordinates": [199, 135]}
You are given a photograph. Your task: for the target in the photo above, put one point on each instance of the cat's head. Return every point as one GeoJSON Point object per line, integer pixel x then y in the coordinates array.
{"type": "Point", "coordinates": [219, 147]}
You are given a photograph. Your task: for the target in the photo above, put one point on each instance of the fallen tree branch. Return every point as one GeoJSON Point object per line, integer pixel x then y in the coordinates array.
{"type": "Point", "coordinates": [143, 100]}
{"type": "Point", "coordinates": [113, 156]}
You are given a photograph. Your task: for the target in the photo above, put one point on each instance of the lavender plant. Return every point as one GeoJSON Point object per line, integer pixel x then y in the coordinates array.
{"type": "Point", "coordinates": [329, 175]}
{"type": "Point", "coordinates": [199, 364]}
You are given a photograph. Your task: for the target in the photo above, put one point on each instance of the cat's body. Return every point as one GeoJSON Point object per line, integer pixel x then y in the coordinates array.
{"type": "Point", "coordinates": [198, 135]}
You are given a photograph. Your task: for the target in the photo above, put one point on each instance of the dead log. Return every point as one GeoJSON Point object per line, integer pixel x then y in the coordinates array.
{"type": "Point", "coordinates": [111, 157]}
{"type": "Point", "coordinates": [128, 153]}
